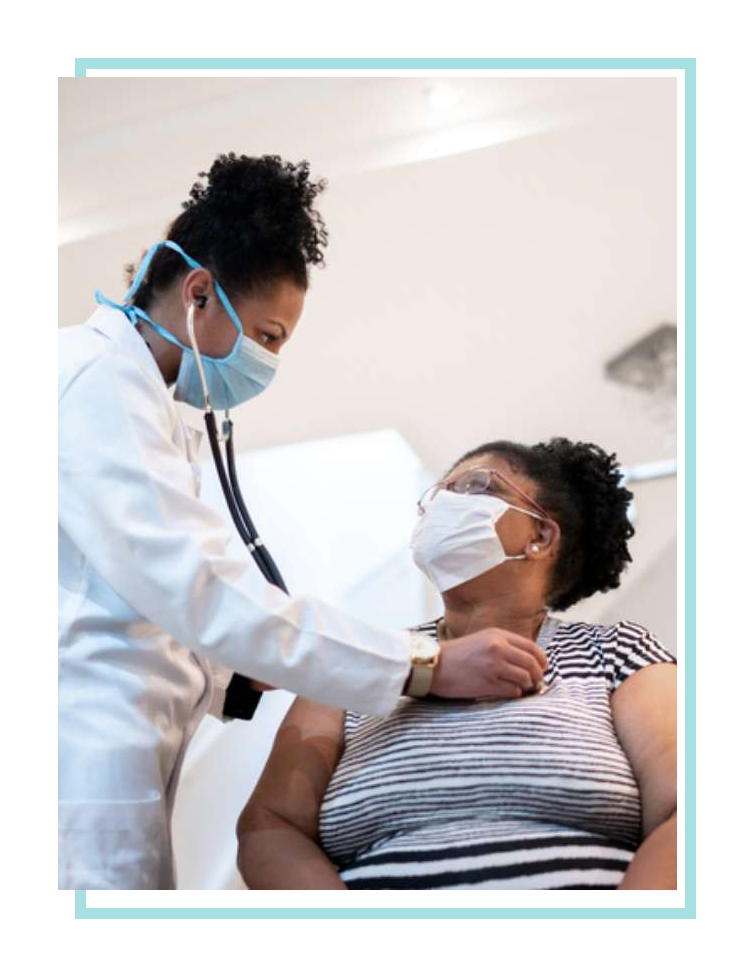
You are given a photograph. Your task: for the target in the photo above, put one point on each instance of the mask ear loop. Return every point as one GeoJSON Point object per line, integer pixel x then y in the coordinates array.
{"type": "Point", "coordinates": [196, 354]}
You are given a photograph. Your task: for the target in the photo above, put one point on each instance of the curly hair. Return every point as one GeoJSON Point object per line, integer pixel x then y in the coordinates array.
{"type": "Point", "coordinates": [252, 223]}
{"type": "Point", "coordinates": [580, 485]}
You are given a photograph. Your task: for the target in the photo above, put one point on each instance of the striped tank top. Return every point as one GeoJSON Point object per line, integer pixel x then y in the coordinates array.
{"type": "Point", "coordinates": [530, 793]}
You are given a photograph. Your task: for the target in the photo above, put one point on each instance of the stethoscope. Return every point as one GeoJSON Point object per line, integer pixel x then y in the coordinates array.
{"type": "Point", "coordinates": [229, 477]}
{"type": "Point", "coordinates": [241, 699]}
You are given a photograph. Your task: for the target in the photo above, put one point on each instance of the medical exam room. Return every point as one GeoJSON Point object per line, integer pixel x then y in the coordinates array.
{"type": "Point", "coordinates": [406, 616]}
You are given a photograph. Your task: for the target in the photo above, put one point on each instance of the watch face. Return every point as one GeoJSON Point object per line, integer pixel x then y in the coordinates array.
{"type": "Point", "coordinates": [423, 651]}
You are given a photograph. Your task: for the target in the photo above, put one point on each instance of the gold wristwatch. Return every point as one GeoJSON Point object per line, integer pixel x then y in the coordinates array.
{"type": "Point", "coordinates": [424, 656]}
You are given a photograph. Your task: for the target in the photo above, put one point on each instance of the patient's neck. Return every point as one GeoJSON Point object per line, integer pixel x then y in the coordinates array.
{"type": "Point", "coordinates": [466, 613]}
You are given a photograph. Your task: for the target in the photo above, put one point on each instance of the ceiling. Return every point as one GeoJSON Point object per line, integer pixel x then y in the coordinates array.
{"type": "Point", "coordinates": [144, 138]}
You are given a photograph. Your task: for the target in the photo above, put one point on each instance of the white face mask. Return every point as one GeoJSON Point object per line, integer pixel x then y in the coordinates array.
{"type": "Point", "coordinates": [456, 539]}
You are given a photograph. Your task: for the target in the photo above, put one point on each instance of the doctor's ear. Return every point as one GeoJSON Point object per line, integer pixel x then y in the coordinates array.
{"type": "Point", "coordinates": [196, 287]}
{"type": "Point", "coordinates": [546, 539]}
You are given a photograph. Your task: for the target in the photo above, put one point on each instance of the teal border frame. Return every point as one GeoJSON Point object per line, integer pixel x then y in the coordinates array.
{"type": "Point", "coordinates": [687, 656]}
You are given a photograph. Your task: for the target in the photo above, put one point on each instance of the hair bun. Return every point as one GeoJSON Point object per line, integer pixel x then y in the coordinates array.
{"type": "Point", "coordinates": [595, 480]}
{"type": "Point", "coordinates": [251, 221]}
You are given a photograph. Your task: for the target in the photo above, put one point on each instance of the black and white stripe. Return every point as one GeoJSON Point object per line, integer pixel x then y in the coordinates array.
{"type": "Point", "coordinates": [534, 793]}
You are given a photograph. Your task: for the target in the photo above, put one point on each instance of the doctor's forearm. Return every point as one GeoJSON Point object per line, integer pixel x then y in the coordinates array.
{"type": "Point", "coordinates": [272, 854]}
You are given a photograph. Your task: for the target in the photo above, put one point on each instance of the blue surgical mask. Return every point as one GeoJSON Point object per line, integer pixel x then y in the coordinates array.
{"type": "Point", "coordinates": [231, 380]}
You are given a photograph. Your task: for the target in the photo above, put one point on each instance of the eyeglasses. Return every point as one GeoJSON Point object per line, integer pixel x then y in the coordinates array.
{"type": "Point", "coordinates": [477, 481]}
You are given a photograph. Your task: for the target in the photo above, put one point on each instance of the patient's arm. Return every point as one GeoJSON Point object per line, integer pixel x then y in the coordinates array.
{"type": "Point", "coordinates": [644, 710]}
{"type": "Point", "coordinates": [278, 828]}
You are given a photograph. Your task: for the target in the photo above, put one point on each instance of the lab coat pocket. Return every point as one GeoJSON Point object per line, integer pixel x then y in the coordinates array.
{"type": "Point", "coordinates": [114, 844]}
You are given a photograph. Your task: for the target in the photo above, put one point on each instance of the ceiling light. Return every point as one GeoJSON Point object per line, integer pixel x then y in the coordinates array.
{"type": "Point", "coordinates": [443, 97]}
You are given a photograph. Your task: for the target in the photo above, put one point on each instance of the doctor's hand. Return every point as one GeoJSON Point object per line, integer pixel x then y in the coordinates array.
{"type": "Point", "coordinates": [491, 662]}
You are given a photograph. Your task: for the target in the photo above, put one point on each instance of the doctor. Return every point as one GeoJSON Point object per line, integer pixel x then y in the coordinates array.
{"type": "Point", "coordinates": [154, 617]}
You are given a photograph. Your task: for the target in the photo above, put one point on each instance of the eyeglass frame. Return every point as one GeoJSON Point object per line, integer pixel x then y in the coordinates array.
{"type": "Point", "coordinates": [490, 473]}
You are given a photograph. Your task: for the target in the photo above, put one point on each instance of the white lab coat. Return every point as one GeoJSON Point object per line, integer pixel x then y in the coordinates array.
{"type": "Point", "coordinates": [149, 602]}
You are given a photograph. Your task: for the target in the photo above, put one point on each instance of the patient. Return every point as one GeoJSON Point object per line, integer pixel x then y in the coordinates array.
{"type": "Point", "coordinates": [568, 783]}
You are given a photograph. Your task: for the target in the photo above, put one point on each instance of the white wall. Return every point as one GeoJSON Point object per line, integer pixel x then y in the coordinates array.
{"type": "Point", "coordinates": [647, 593]}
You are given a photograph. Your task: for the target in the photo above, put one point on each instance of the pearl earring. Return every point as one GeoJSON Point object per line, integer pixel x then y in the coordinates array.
{"type": "Point", "coordinates": [535, 548]}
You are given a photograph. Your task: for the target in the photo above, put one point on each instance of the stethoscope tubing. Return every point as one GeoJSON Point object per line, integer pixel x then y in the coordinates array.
{"type": "Point", "coordinates": [236, 505]}
{"type": "Point", "coordinates": [270, 569]}
{"type": "Point", "coordinates": [229, 480]}
{"type": "Point", "coordinates": [241, 699]}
